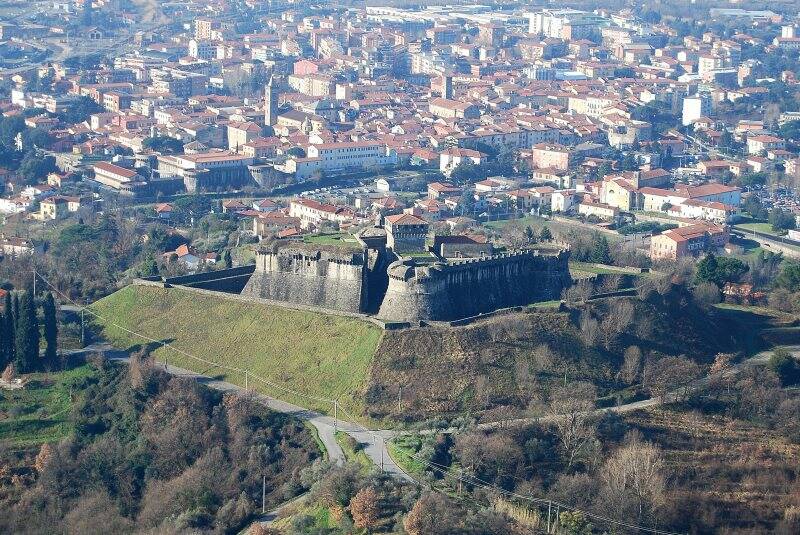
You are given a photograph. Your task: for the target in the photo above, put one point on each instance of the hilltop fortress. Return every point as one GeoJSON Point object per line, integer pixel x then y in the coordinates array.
{"type": "Point", "coordinates": [385, 273]}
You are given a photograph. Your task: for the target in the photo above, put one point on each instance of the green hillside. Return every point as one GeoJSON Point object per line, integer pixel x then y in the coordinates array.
{"type": "Point", "coordinates": [40, 412]}
{"type": "Point", "coordinates": [322, 355]}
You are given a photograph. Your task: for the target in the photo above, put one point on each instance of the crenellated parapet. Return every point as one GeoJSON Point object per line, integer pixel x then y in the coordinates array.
{"type": "Point", "coordinates": [373, 281]}
{"type": "Point", "coordinates": [458, 288]}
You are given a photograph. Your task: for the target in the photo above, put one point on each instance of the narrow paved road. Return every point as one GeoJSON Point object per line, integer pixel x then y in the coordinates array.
{"type": "Point", "coordinates": [759, 358]}
{"type": "Point", "coordinates": [374, 441]}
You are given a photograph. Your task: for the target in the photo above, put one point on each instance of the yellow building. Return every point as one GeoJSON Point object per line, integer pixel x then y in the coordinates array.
{"type": "Point", "coordinates": [53, 208]}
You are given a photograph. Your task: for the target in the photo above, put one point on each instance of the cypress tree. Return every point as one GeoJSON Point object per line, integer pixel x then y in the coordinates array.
{"type": "Point", "coordinates": [3, 335]}
{"type": "Point", "coordinates": [8, 320]}
{"type": "Point", "coordinates": [16, 310]}
{"type": "Point", "coordinates": [26, 356]}
{"type": "Point", "coordinates": [50, 332]}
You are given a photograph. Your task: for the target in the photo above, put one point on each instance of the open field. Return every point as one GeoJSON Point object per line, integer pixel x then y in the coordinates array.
{"type": "Point", "coordinates": [306, 352]}
{"type": "Point", "coordinates": [39, 412]}
{"type": "Point", "coordinates": [724, 468]}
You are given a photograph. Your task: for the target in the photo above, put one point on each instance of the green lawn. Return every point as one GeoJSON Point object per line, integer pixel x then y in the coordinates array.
{"type": "Point", "coordinates": [39, 413]}
{"type": "Point", "coordinates": [338, 238]}
{"type": "Point", "coordinates": [310, 353]}
{"type": "Point", "coordinates": [598, 269]}
{"type": "Point", "coordinates": [323, 520]}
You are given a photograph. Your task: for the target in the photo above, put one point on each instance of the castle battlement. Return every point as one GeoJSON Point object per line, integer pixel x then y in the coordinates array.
{"type": "Point", "coordinates": [408, 289]}
{"type": "Point", "coordinates": [470, 286]}
{"type": "Point", "coordinates": [336, 257]}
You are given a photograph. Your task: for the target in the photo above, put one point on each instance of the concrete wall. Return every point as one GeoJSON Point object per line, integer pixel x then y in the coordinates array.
{"type": "Point", "coordinates": [458, 289]}
{"type": "Point", "coordinates": [318, 278]}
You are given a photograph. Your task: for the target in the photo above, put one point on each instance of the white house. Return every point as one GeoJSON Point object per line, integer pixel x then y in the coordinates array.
{"type": "Point", "coordinates": [452, 157]}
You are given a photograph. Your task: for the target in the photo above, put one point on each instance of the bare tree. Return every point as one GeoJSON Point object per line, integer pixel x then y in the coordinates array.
{"type": "Point", "coordinates": [578, 292]}
{"type": "Point", "coordinates": [542, 358]}
{"type": "Point", "coordinates": [513, 233]}
{"type": "Point", "coordinates": [432, 514]}
{"type": "Point", "coordinates": [610, 283]}
{"type": "Point", "coordinates": [526, 381]}
{"type": "Point", "coordinates": [706, 294]}
{"type": "Point", "coordinates": [616, 321]}
{"type": "Point", "coordinates": [633, 481]}
{"type": "Point", "coordinates": [631, 365]}
{"type": "Point", "coordinates": [590, 329]}
{"type": "Point", "coordinates": [571, 412]}
{"type": "Point", "coordinates": [44, 456]}
{"type": "Point", "coordinates": [671, 375]}
{"type": "Point", "coordinates": [722, 363]}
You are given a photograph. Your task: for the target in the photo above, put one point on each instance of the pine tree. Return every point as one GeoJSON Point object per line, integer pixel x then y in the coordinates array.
{"type": "Point", "coordinates": [601, 252]}
{"type": "Point", "coordinates": [50, 332]}
{"type": "Point", "coordinates": [27, 335]}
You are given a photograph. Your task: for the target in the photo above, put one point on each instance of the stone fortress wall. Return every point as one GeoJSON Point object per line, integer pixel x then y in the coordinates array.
{"type": "Point", "coordinates": [454, 289]}
{"type": "Point", "coordinates": [335, 280]}
{"type": "Point", "coordinates": [407, 290]}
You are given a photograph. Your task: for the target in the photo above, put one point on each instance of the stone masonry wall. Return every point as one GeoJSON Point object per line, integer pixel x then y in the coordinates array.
{"type": "Point", "coordinates": [319, 279]}
{"type": "Point", "coordinates": [458, 289]}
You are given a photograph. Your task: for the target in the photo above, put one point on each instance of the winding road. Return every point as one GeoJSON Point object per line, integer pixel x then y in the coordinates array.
{"type": "Point", "coordinates": [374, 442]}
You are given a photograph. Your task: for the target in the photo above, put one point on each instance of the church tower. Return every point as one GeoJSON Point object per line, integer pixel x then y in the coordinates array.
{"type": "Point", "coordinates": [271, 103]}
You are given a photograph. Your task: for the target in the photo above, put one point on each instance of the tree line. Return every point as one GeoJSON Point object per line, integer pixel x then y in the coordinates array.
{"type": "Point", "coordinates": [22, 333]}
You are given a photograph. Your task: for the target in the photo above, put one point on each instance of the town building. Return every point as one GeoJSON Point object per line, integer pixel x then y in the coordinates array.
{"type": "Point", "coordinates": [691, 240]}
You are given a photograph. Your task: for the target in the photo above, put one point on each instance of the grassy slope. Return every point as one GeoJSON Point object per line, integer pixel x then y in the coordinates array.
{"type": "Point", "coordinates": [39, 412]}
{"type": "Point", "coordinates": [325, 356]}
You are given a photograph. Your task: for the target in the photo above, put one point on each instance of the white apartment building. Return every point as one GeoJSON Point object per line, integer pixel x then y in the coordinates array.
{"type": "Point", "coordinates": [352, 155]}
{"type": "Point", "coordinates": [695, 107]}
{"type": "Point", "coordinates": [201, 49]}
{"type": "Point", "coordinates": [565, 23]}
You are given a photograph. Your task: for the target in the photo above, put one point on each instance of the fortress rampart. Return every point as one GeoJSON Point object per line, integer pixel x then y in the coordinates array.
{"type": "Point", "coordinates": [467, 287]}
{"type": "Point", "coordinates": [408, 290]}
{"type": "Point", "coordinates": [319, 278]}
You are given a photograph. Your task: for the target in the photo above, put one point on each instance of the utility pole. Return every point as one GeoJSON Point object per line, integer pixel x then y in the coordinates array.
{"type": "Point", "coordinates": [245, 380]}
{"type": "Point", "coordinates": [383, 447]}
{"type": "Point", "coordinates": [399, 398]}
{"type": "Point", "coordinates": [549, 508]}
{"type": "Point", "coordinates": [34, 282]}
{"type": "Point", "coordinates": [83, 341]}
{"type": "Point", "coordinates": [335, 415]}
